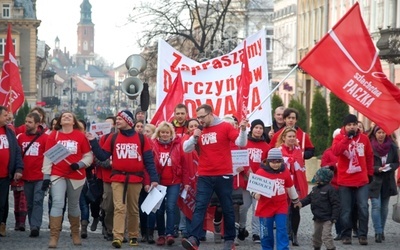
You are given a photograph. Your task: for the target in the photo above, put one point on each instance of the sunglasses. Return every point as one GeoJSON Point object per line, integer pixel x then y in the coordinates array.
{"type": "Point", "coordinates": [275, 161]}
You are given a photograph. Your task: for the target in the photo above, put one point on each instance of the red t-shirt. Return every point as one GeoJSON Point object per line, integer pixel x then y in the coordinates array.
{"type": "Point", "coordinates": [77, 144]}
{"type": "Point", "coordinates": [278, 203]}
{"type": "Point", "coordinates": [215, 149]}
{"type": "Point", "coordinates": [33, 158]}
{"type": "Point", "coordinates": [127, 156]}
{"type": "Point", "coordinates": [4, 153]}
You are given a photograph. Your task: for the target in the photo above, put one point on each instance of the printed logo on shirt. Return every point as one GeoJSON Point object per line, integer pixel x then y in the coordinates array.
{"type": "Point", "coordinates": [72, 146]}
{"type": "Point", "coordinates": [164, 158]}
{"type": "Point", "coordinates": [126, 150]}
{"type": "Point", "coordinates": [255, 154]}
{"type": "Point", "coordinates": [33, 150]}
{"type": "Point", "coordinates": [3, 142]}
{"type": "Point", "coordinates": [209, 138]}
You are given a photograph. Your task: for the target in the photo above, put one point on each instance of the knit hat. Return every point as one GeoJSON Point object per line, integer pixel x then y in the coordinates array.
{"type": "Point", "coordinates": [138, 110]}
{"type": "Point", "coordinates": [350, 118]}
{"type": "Point", "coordinates": [323, 176]}
{"type": "Point", "coordinates": [256, 122]}
{"type": "Point", "coordinates": [274, 154]}
{"type": "Point", "coordinates": [127, 116]}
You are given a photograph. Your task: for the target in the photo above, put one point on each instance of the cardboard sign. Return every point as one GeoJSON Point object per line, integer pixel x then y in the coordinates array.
{"type": "Point", "coordinates": [100, 129]}
{"type": "Point", "coordinates": [261, 185]}
{"type": "Point", "coordinates": [57, 153]}
{"type": "Point", "coordinates": [240, 158]}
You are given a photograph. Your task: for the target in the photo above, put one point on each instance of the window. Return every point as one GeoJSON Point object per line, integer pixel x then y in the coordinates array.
{"type": "Point", "coordinates": [269, 39]}
{"type": "Point", "coordinates": [3, 45]}
{"type": "Point", "coordinates": [6, 10]}
{"type": "Point", "coordinates": [85, 45]}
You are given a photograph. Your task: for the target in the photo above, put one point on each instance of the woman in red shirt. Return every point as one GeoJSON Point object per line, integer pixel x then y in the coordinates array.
{"type": "Point", "coordinates": [67, 177]}
{"type": "Point", "coordinates": [294, 161]}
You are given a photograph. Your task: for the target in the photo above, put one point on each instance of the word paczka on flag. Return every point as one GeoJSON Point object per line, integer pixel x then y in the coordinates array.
{"type": "Point", "coordinates": [346, 62]}
{"type": "Point", "coordinates": [216, 81]}
{"type": "Point", "coordinates": [11, 91]}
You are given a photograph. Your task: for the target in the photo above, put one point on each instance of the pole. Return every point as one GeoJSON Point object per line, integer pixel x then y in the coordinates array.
{"type": "Point", "coordinates": [272, 91]}
{"type": "Point", "coordinates": [72, 101]}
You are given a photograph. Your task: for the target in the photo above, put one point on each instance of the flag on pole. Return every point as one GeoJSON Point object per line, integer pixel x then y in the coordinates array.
{"type": "Point", "coordinates": [174, 96]}
{"type": "Point", "coordinates": [346, 62]}
{"type": "Point", "coordinates": [242, 96]}
{"type": "Point", "coordinates": [11, 90]}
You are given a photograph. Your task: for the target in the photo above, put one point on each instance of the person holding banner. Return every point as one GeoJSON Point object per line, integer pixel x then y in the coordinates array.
{"type": "Point", "coordinates": [132, 164]}
{"type": "Point", "coordinates": [257, 149]}
{"type": "Point", "coordinates": [168, 157]}
{"type": "Point", "coordinates": [274, 209]}
{"type": "Point", "coordinates": [293, 159]}
{"type": "Point", "coordinates": [67, 176]}
{"type": "Point", "coordinates": [11, 165]}
{"type": "Point", "coordinates": [215, 171]}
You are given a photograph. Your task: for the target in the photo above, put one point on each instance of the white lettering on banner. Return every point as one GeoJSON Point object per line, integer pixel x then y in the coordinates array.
{"type": "Point", "coordinates": [255, 154]}
{"type": "Point", "coordinates": [368, 84]}
{"type": "Point", "coordinates": [209, 138]}
{"type": "Point", "coordinates": [33, 150]}
{"type": "Point", "coordinates": [3, 142]}
{"type": "Point", "coordinates": [358, 93]}
{"type": "Point", "coordinates": [215, 81]}
{"type": "Point", "coordinates": [126, 150]}
{"type": "Point", "coordinates": [71, 145]}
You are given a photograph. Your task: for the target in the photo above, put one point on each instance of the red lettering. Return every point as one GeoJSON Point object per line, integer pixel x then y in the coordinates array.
{"type": "Point", "coordinates": [167, 81]}
{"type": "Point", "coordinates": [255, 100]}
{"type": "Point", "coordinates": [196, 89]}
{"type": "Point", "coordinates": [230, 108]}
{"type": "Point", "coordinates": [192, 106]}
{"type": "Point", "coordinates": [216, 107]}
{"type": "Point", "coordinates": [209, 85]}
{"type": "Point", "coordinates": [257, 72]}
{"type": "Point", "coordinates": [216, 64]}
{"type": "Point", "coordinates": [230, 84]}
{"type": "Point", "coordinates": [175, 63]}
{"type": "Point", "coordinates": [226, 60]}
{"type": "Point", "coordinates": [205, 65]}
{"type": "Point", "coordinates": [186, 86]}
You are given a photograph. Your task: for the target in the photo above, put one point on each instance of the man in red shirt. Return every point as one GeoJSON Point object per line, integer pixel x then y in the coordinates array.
{"type": "Point", "coordinates": [214, 170]}
{"type": "Point", "coordinates": [11, 165]}
{"type": "Point", "coordinates": [33, 143]}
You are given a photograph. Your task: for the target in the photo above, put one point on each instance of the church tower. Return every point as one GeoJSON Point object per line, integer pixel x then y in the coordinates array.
{"type": "Point", "coordinates": [85, 52]}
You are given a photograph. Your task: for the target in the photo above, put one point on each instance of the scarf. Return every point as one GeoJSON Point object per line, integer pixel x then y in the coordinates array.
{"type": "Point", "coordinates": [381, 149]}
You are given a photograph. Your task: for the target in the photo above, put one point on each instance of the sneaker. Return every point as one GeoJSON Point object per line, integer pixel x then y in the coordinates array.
{"type": "Point", "coordinates": [236, 242]}
{"type": "Point", "coordinates": [346, 241]}
{"type": "Point", "coordinates": [161, 241]}
{"type": "Point", "coordinates": [117, 243]}
{"type": "Point", "coordinates": [133, 242]}
{"type": "Point", "coordinates": [34, 233]}
{"type": "Point", "coordinates": [243, 234]}
{"type": "Point", "coordinates": [170, 240]}
{"type": "Point", "coordinates": [256, 238]}
{"type": "Point", "coordinates": [363, 240]}
{"type": "Point", "coordinates": [190, 243]}
{"type": "Point", "coordinates": [229, 245]}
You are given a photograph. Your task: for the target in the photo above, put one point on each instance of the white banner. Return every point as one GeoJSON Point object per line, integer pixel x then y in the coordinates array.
{"type": "Point", "coordinates": [215, 81]}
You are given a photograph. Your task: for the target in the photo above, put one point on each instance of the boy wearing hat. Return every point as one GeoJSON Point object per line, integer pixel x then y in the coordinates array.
{"type": "Point", "coordinates": [275, 208]}
{"type": "Point", "coordinates": [325, 206]}
{"type": "Point", "coordinates": [354, 172]}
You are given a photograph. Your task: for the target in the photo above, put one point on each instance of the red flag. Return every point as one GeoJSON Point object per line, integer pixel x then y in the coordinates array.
{"type": "Point", "coordinates": [11, 91]}
{"type": "Point", "coordinates": [174, 96]}
{"type": "Point", "coordinates": [346, 62]}
{"type": "Point", "coordinates": [242, 96]}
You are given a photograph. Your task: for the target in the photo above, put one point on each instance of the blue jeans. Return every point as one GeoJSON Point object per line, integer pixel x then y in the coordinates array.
{"type": "Point", "coordinates": [379, 213]}
{"type": "Point", "coordinates": [84, 207]}
{"type": "Point", "coordinates": [168, 205]}
{"type": "Point", "coordinates": [222, 186]}
{"type": "Point", "coordinates": [347, 195]}
{"type": "Point", "coordinates": [34, 199]}
{"type": "Point", "coordinates": [267, 232]}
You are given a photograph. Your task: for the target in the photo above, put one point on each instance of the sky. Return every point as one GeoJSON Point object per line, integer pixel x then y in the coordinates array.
{"type": "Point", "coordinates": [114, 39]}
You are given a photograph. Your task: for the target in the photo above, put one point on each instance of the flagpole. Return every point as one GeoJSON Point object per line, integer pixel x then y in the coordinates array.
{"type": "Point", "coordinates": [272, 91]}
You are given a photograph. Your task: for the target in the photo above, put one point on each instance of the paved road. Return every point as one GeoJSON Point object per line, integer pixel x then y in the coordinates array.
{"type": "Point", "coordinates": [20, 240]}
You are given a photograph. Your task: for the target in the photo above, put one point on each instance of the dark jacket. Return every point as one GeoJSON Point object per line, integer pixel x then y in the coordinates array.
{"type": "Point", "coordinates": [15, 164]}
{"type": "Point", "coordinates": [325, 203]}
{"type": "Point", "coordinates": [376, 187]}
{"type": "Point", "coordinates": [267, 129]}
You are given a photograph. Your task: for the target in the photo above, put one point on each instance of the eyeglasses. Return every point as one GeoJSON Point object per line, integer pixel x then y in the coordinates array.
{"type": "Point", "coordinates": [275, 161]}
{"type": "Point", "coordinates": [201, 117]}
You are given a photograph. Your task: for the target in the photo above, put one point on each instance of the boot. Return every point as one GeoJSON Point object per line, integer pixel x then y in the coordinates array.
{"type": "Point", "coordinates": [378, 238]}
{"type": "Point", "coordinates": [55, 228]}
{"type": "Point", "coordinates": [2, 229]}
{"type": "Point", "coordinates": [84, 225]}
{"type": "Point", "coordinates": [93, 227]}
{"type": "Point", "coordinates": [74, 222]}
{"type": "Point", "coordinates": [294, 240]}
{"type": "Point", "coordinates": [150, 236]}
{"type": "Point", "coordinates": [217, 232]}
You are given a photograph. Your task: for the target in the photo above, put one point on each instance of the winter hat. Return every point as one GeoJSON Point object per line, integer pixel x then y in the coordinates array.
{"type": "Point", "coordinates": [350, 118]}
{"type": "Point", "coordinates": [323, 176]}
{"type": "Point", "coordinates": [138, 110]}
{"type": "Point", "coordinates": [256, 122]}
{"type": "Point", "coordinates": [127, 116]}
{"type": "Point", "coordinates": [274, 154]}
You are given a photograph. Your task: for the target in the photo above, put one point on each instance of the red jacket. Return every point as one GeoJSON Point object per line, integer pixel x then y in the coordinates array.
{"type": "Point", "coordinates": [355, 159]}
{"type": "Point", "coordinates": [169, 159]}
{"type": "Point", "coordinates": [329, 159]}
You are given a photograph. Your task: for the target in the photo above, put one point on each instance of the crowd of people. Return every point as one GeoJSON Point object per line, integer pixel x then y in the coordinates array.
{"type": "Point", "coordinates": [110, 177]}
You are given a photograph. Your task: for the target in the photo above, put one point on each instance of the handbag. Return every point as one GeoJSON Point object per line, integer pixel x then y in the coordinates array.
{"type": "Point", "coordinates": [396, 210]}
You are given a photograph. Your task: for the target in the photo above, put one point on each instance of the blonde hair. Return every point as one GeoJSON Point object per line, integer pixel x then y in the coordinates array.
{"type": "Point", "coordinates": [286, 130]}
{"type": "Point", "coordinates": [151, 127]}
{"type": "Point", "coordinates": [164, 126]}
